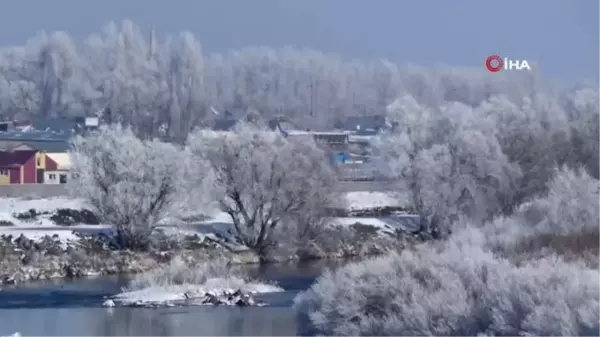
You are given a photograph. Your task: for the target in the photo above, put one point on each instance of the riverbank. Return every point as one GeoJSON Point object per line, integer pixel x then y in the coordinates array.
{"type": "Point", "coordinates": [49, 242]}
{"type": "Point", "coordinates": [65, 307]}
{"type": "Point", "coordinates": [23, 259]}
{"type": "Point", "coordinates": [55, 238]}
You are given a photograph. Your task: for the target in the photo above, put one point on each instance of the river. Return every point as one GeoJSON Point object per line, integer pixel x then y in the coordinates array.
{"type": "Point", "coordinates": [67, 308]}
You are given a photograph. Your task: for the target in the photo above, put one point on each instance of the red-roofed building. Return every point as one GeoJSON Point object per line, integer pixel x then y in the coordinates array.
{"type": "Point", "coordinates": [24, 167]}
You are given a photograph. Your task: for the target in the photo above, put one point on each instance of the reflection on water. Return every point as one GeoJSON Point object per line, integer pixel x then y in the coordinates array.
{"type": "Point", "coordinates": [198, 321]}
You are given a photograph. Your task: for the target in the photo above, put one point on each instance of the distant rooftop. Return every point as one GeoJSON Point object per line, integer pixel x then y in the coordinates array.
{"type": "Point", "coordinates": [60, 125]}
{"type": "Point", "coordinates": [316, 133]}
{"type": "Point", "coordinates": [45, 146]}
{"type": "Point", "coordinates": [15, 159]}
{"type": "Point", "coordinates": [46, 136]}
{"type": "Point", "coordinates": [365, 123]}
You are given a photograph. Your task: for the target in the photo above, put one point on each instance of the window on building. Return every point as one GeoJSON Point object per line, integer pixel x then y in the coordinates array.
{"type": "Point", "coordinates": [39, 161]}
{"type": "Point", "coordinates": [63, 178]}
{"type": "Point", "coordinates": [52, 176]}
{"type": "Point", "coordinates": [3, 172]}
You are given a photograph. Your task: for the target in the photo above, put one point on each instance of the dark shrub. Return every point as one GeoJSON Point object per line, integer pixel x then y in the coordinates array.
{"type": "Point", "coordinates": [29, 215]}
{"type": "Point", "coordinates": [68, 217]}
{"type": "Point", "coordinates": [5, 223]}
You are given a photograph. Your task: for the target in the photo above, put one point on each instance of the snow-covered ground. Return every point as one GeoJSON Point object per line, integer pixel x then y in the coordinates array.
{"type": "Point", "coordinates": [18, 205]}
{"type": "Point", "coordinates": [375, 222]}
{"type": "Point", "coordinates": [11, 206]}
{"type": "Point", "coordinates": [41, 225]}
{"type": "Point", "coordinates": [218, 223]}
{"type": "Point", "coordinates": [368, 199]}
{"type": "Point", "coordinates": [63, 235]}
{"type": "Point", "coordinates": [388, 224]}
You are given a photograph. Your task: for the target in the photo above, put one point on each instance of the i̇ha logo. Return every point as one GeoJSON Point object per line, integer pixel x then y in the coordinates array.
{"type": "Point", "coordinates": [495, 63]}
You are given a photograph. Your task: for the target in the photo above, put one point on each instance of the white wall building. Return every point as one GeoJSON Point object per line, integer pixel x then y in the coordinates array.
{"type": "Point", "coordinates": [61, 174]}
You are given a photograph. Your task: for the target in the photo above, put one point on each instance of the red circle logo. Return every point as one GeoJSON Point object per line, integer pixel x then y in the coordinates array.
{"type": "Point", "coordinates": [489, 63]}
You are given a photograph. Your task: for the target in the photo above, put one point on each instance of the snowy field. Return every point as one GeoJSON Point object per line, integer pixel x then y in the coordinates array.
{"type": "Point", "coordinates": [10, 206]}
{"type": "Point", "coordinates": [372, 199]}
{"type": "Point", "coordinates": [41, 225]}
{"type": "Point", "coordinates": [218, 222]}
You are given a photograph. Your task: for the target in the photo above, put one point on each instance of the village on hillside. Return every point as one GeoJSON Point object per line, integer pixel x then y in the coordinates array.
{"type": "Point", "coordinates": [37, 152]}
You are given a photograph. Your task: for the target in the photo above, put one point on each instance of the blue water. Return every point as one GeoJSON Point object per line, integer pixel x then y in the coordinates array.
{"type": "Point", "coordinates": [69, 308]}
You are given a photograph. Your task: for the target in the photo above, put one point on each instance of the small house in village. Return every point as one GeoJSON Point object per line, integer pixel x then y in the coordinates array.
{"type": "Point", "coordinates": [24, 167]}
{"type": "Point", "coordinates": [38, 155]}
{"type": "Point", "coordinates": [332, 139]}
{"type": "Point", "coordinates": [58, 174]}
{"type": "Point", "coordinates": [366, 125]}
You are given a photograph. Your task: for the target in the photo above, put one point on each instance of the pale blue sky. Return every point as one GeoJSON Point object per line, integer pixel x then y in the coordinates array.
{"type": "Point", "coordinates": [561, 35]}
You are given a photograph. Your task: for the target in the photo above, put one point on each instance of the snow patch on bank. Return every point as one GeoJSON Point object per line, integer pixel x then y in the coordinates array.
{"type": "Point", "coordinates": [374, 222]}
{"type": "Point", "coordinates": [367, 199]}
{"type": "Point", "coordinates": [20, 205]}
{"type": "Point", "coordinates": [173, 294]}
{"type": "Point", "coordinates": [12, 206]}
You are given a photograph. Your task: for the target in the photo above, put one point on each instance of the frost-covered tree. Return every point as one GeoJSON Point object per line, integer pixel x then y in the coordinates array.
{"type": "Point", "coordinates": [533, 134]}
{"type": "Point", "coordinates": [267, 183]}
{"type": "Point", "coordinates": [132, 184]}
{"type": "Point", "coordinates": [166, 87]}
{"type": "Point", "coordinates": [41, 76]}
{"type": "Point", "coordinates": [185, 81]}
{"type": "Point", "coordinates": [583, 110]}
{"type": "Point", "coordinates": [125, 78]}
{"type": "Point", "coordinates": [570, 205]}
{"type": "Point", "coordinates": [449, 163]}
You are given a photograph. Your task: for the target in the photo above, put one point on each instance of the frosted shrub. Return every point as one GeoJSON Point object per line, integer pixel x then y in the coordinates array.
{"type": "Point", "coordinates": [452, 291]}
{"type": "Point", "coordinates": [460, 287]}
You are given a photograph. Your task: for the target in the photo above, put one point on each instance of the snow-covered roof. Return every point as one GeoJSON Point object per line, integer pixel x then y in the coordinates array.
{"type": "Point", "coordinates": [63, 160]}
{"type": "Point", "coordinates": [32, 135]}
{"type": "Point", "coordinates": [316, 133]}
{"type": "Point", "coordinates": [362, 139]}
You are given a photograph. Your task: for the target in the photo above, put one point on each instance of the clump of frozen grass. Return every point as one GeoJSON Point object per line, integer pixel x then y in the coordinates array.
{"type": "Point", "coordinates": [180, 273]}
{"type": "Point", "coordinates": [180, 281]}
